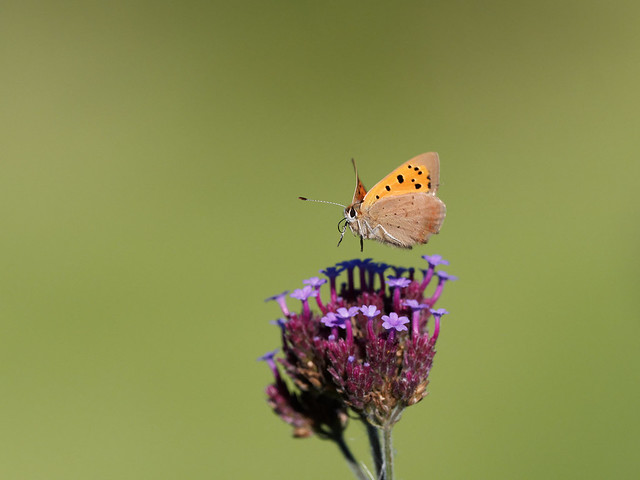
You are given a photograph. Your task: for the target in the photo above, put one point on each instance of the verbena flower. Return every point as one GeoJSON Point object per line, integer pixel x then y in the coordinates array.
{"type": "Point", "coordinates": [368, 347]}
{"type": "Point", "coordinates": [392, 321]}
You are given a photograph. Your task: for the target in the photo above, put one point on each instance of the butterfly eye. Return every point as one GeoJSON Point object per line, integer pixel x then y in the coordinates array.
{"type": "Point", "coordinates": [352, 212]}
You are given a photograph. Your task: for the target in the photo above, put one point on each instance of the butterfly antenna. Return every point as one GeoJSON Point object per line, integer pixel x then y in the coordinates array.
{"type": "Point", "coordinates": [322, 201]}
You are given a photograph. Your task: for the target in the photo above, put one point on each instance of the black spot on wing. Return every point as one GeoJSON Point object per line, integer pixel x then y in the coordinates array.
{"type": "Point", "coordinates": [400, 179]}
{"type": "Point", "coordinates": [388, 188]}
{"type": "Point", "coordinates": [418, 186]}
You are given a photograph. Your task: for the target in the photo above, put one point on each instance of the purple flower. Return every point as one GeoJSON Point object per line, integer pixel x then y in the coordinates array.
{"type": "Point", "coordinates": [338, 355]}
{"type": "Point", "coordinates": [304, 293]}
{"type": "Point", "coordinates": [369, 311]}
{"type": "Point", "coordinates": [445, 276]}
{"type": "Point", "coordinates": [399, 271]}
{"type": "Point", "coordinates": [435, 260]}
{"type": "Point", "coordinates": [314, 282]}
{"type": "Point", "coordinates": [365, 262]}
{"type": "Point", "coordinates": [332, 272]}
{"type": "Point", "coordinates": [280, 299]}
{"type": "Point", "coordinates": [379, 267]}
{"type": "Point", "coordinates": [398, 282]}
{"type": "Point", "coordinates": [349, 263]}
{"type": "Point", "coordinates": [346, 314]}
{"type": "Point", "coordinates": [415, 305]}
{"type": "Point", "coordinates": [393, 321]}
{"type": "Point", "coordinates": [437, 315]}
{"type": "Point", "coordinates": [332, 320]}
{"type": "Point", "coordinates": [280, 322]}
{"type": "Point", "coordinates": [267, 357]}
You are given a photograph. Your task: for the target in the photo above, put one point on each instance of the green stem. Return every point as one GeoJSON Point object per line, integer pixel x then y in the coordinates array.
{"type": "Point", "coordinates": [351, 461]}
{"type": "Point", "coordinates": [387, 452]}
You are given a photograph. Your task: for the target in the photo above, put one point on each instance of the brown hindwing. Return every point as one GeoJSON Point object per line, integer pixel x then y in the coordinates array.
{"type": "Point", "coordinates": [405, 220]}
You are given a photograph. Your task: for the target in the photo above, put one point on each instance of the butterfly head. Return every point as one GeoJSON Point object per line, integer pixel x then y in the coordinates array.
{"type": "Point", "coordinates": [351, 212]}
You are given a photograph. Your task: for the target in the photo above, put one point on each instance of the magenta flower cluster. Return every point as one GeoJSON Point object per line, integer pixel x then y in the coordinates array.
{"type": "Point", "coordinates": [368, 346]}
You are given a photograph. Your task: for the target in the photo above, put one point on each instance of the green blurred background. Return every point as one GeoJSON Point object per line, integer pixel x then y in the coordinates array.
{"type": "Point", "coordinates": [151, 156]}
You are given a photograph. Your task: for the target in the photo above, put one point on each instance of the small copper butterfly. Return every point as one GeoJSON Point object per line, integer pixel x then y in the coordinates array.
{"type": "Point", "coordinates": [402, 209]}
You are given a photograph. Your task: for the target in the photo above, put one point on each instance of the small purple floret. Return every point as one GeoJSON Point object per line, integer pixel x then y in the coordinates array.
{"type": "Point", "coordinates": [268, 356]}
{"type": "Point", "coordinates": [435, 260]}
{"type": "Point", "coordinates": [445, 276]}
{"type": "Point", "coordinates": [278, 296]}
{"type": "Point", "coordinates": [304, 293]}
{"type": "Point", "coordinates": [280, 322]}
{"type": "Point", "coordinates": [332, 320]}
{"type": "Point", "coordinates": [380, 267]}
{"type": "Point", "coordinates": [332, 272]}
{"type": "Point", "coordinates": [415, 305]}
{"type": "Point", "coordinates": [315, 282]}
{"type": "Point", "coordinates": [349, 263]}
{"type": "Point", "coordinates": [370, 311]}
{"type": "Point", "coordinates": [280, 299]}
{"type": "Point", "coordinates": [345, 313]}
{"type": "Point", "coordinates": [398, 282]}
{"type": "Point", "coordinates": [393, 321]}
{"type": "Point", "coordinates": [399, 271]}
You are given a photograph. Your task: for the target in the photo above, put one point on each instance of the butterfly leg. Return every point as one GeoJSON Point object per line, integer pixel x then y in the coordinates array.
{"type": "Point", "coordinates": [374, 234]}
{"type": "Point", "coordinates": [341, 230]}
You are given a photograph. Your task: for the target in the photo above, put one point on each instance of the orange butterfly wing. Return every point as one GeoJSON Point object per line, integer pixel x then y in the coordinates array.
{"type": "Point", "coordinates": [421, 174]}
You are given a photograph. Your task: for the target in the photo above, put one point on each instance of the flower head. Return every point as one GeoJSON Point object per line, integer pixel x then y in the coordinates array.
{"type": "Point", "coordinates": [358, 350]}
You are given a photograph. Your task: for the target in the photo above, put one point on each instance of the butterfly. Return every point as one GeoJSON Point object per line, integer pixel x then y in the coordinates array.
{"type": "Point", "coordinates": [402, 209]}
